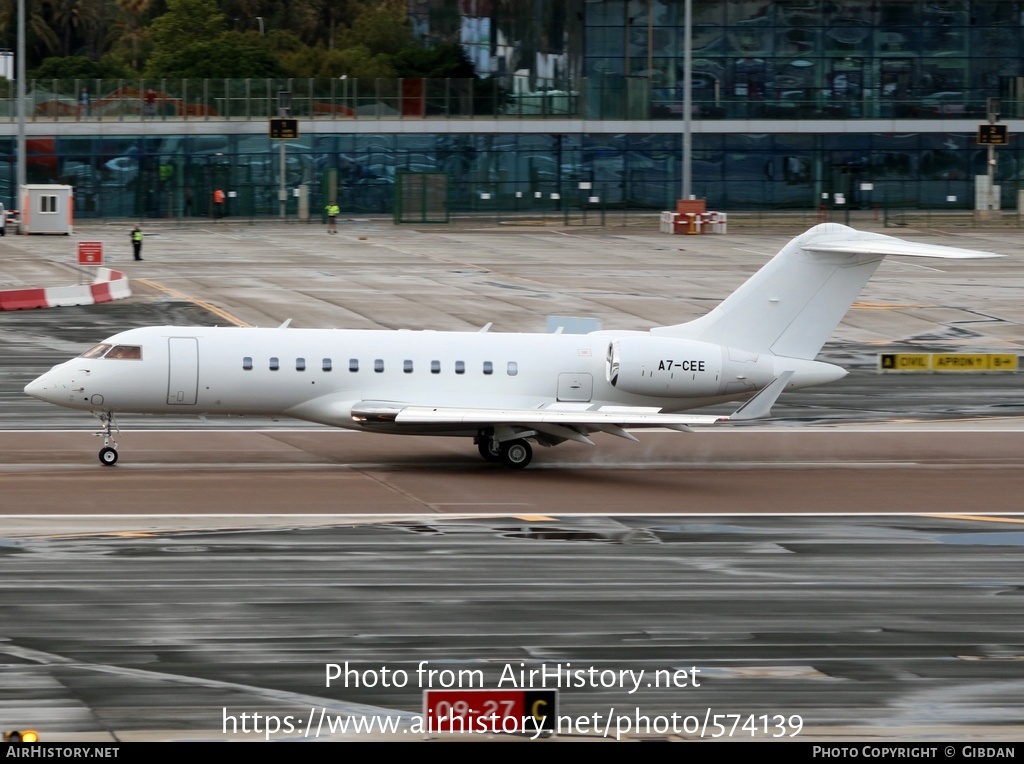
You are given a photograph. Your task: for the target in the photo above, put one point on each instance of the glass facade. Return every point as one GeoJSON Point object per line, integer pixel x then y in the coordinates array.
{"type": "Point", "coordinates": [794, 101]}
{"type": "Point", "coordinates": [176, 175]}
{"type": "Point", "coordinates": [802, 58]}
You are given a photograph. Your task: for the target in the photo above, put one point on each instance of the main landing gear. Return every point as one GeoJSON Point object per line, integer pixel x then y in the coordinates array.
{"type": "Point", "coordinates": [108, 454]}
{"type": "Point", "coordinates": [514, 454]}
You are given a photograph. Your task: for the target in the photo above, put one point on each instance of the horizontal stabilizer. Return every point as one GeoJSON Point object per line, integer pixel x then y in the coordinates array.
{"type": "Point", "coordinates": [887, 245]}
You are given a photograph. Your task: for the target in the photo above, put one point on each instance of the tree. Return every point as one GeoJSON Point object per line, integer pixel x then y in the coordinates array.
{"type": "Point", "coordinates": [79, 68]}
{"type": "Point", "coordinates": [444, 61]}
{"type": "Point", "coordinates": [41, 39]}
{"type": "Point", "coordinates": [72, 20]}
{"type": "Point", "coordinates": [131, 28]}
{"type": "Point", "coordinates": [186, 23]}
{"type": "Point", "coordinates": [228, 56]}
{"type": "Point", "coordinates": [382, 28]}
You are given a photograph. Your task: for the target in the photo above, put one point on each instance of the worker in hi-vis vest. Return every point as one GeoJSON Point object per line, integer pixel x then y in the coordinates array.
{"type": "Point", "coordinates": [137, 242]}
{"type": "Point", "coordinates": [332, 211]}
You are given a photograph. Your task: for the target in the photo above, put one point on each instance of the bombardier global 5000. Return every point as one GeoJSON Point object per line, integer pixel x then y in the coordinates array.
{"type": "Point", "coordinates": [505, 391]}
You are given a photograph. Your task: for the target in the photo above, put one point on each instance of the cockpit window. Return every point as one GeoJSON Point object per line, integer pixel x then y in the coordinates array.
{"type": "Point", "coordinates": [96, 351]}
{"type": "Point", "coordinates": [133, 352]}
{"type": "Point", "coordinates": [103, 350]}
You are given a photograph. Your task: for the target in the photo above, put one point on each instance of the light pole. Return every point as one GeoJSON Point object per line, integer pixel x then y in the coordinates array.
{"type": "Point", "coordinates": [687, 97]}
{"type": "Point", "coordinates": [22, 174]}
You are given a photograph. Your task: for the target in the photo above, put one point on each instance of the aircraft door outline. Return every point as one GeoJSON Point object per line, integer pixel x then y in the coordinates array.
{"type": "Point", "coordinates": [575, 387]}
{"type": "Point", "coordinates": [182, 371]}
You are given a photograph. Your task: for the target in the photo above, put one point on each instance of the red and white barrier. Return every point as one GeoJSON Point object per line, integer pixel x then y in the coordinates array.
{"type": "Point", "coordinates": [108, 285]}
{"type": "Point", "coordinates": [693, 222]}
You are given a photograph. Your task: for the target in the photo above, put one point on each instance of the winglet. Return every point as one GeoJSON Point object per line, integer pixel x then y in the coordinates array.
{"type": "Point", "coordinates": [761, 404]}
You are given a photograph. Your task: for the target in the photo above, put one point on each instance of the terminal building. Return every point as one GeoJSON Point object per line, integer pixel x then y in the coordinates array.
{"type": "Point", "coordinates": [794, 104]}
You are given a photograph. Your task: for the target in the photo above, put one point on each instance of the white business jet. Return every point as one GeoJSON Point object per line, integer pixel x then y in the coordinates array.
{"type": "Point", "coordinates": [503, 390]}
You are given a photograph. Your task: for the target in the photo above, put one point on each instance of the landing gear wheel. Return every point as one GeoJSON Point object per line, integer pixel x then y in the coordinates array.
{"type": "Point", "coordinates": [489, 449]}
{"type": "Point", "coordinates": [108, 454]}
{"type": "Point", "coordinates": [516, 454]}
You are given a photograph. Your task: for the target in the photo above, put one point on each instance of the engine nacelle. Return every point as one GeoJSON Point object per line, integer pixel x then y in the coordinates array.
{"type": "Point", "coordinates": [673, 368]}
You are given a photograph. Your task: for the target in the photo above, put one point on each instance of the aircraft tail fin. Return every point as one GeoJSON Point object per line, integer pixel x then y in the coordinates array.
{"type": "Point", "coordinates": [791, 306]}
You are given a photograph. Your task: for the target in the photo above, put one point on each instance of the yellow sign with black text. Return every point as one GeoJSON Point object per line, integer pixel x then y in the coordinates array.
{"type": "Point", "coordinates": [947, 362]}
{"type": "Point", "coordinates": [903, 362]}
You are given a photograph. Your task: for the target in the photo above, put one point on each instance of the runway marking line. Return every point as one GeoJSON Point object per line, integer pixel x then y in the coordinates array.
{"type": "Point", "coordinates": [982, 518]}
{"type": "Point", "coordinates": [195, 301]}
{"type": "Point", "coordinates": [884, 306]}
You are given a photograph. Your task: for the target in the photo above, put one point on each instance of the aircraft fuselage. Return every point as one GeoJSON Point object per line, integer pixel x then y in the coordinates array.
{"type": "Point", "coordinates": [313, 373]}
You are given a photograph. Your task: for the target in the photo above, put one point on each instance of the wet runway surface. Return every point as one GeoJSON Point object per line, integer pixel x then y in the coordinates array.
{"type": "Point", "coordinates": [860, 628]}
{"type": "Point", "coordinates": [223, 562]}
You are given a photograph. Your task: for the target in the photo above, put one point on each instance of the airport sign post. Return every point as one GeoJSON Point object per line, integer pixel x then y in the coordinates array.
{"type": "Point", "coordinates": [283, 128]}
{"type": "Point", "coordinates": [90, 253]}
{"type": "Point", "coordinates": [993, 135]}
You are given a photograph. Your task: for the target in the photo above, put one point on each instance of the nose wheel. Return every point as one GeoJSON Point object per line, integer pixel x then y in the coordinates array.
{"type": "Point", "coordinates": [108, 454]}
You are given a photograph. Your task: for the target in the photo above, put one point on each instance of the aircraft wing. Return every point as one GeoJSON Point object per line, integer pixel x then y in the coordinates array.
{"type": "Point", "coordinates": [619, 415]}
{"type": "Point", "coordinates": [558, 419]}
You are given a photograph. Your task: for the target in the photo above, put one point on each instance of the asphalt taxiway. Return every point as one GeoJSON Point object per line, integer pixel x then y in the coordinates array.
{"type": "Point", "coordinates": [869, 470]}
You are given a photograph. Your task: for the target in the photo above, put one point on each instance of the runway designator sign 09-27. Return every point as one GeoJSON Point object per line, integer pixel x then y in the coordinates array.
{"type": "Point", "coordinates": [488, 711]}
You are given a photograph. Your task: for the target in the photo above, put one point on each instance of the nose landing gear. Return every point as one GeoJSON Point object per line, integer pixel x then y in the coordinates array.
{"type": "Point", "coordinates": [108, 454]}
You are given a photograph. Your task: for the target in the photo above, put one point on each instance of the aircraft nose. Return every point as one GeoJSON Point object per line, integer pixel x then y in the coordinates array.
{"type": "Point", "coordinates": [45, 388]}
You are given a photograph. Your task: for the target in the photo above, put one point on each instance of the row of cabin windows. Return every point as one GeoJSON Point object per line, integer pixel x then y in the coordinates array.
{"type": "Point", "coordinates": [511, 368]}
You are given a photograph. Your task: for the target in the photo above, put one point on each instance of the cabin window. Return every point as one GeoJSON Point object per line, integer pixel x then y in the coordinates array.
{"type": "Point", "coordinates": [488, 367]}
{"type": "Point", "coordinates": [512, 368]}
{"type": "Point", "coordinates": [247, 363]}
{"type": "Point", "coordinates": [326, 364]}
{"type": "Point", "coordinates": [96, 351]}
{"type": "Point", "coordinates": [275, 364]}
{"type": "Point", "coordinates": [300, 364]}
{"type": "Point", "coordinates": [460, 367]}
{"type": "Point", "coordinates": [353, 364]}
{"type": "Point", "coordinates": [435, 367]}
{"type": "Point", "coordinates": [407, 366]}
{"type": "Point", "coordinates": [378, 365]}
{"type": "Point", "coordinates": [132, 352]}
{"type": "Point", "coordinates": [48, 203]}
